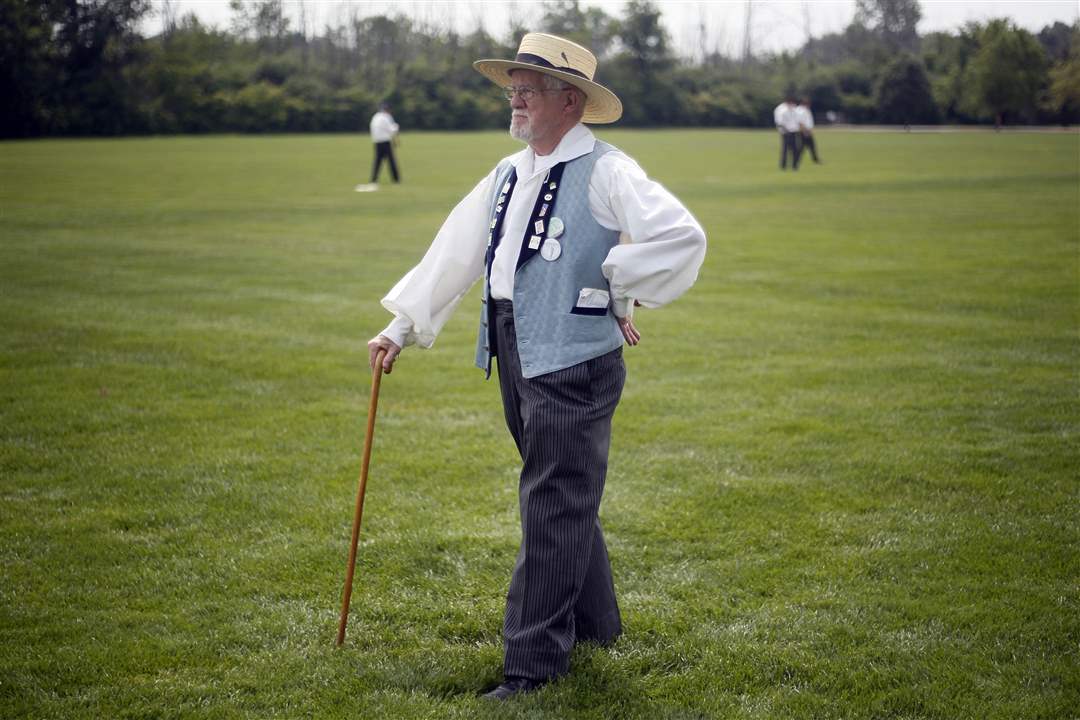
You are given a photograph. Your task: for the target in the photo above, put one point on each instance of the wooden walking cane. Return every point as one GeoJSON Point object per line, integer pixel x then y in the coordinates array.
{"type": "Point", "coordinates": [376, 376]}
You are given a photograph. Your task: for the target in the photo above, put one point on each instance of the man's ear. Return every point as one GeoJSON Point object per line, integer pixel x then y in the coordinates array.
{"type": "Point", "coordinates": [574, 101]}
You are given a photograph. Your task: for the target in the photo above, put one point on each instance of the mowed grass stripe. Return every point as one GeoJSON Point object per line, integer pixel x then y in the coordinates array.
{"type": "Point", "coordinates": [843, 479]}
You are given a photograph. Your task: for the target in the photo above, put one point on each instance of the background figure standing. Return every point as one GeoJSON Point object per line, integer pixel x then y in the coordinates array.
{"type": "Point", "coordinates": [806, 127]}
{"type": "Point", "coordinates": [384, 135]}
{"type": "Point", "coordinates": [787, 123]}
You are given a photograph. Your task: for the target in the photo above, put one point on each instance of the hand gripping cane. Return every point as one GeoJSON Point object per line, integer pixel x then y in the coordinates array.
{"type": "Point", "coordinates": [376, 376]}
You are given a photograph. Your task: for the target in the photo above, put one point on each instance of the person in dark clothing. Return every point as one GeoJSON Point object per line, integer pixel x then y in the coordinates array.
{"type": "Point", "coordinates": [785, 116]}
{"type": "Point", "coordinates": [384, 133]}
{"type": "Point", "coordinates": [806, 129]}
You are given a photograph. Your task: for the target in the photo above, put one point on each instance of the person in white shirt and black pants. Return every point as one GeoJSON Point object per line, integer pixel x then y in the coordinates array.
{"type": "Point", "coordinates": [786, 118]}
{"type": "Point", "coordinates": [568, 235]}
{"type": "Point", "coordinates": [805, 117]}
{"type": "Point", "coordinates": [384, 133]}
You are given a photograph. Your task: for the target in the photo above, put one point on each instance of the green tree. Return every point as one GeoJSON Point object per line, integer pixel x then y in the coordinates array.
{"type": "Point", "coordinates": [1058, 40]}
{"type": "Point", "coordinates": [643, 37]}
{"type": "Point", "coordinates": [384, 45]}
{"type": "Point", "coordinates": [946, 57]}
{"type": "Point", "coordinates": [27, 66]}
{"type": "Point", "coordinates": [894, 20]}
{"type": "Point", "coordinates": [592, 28]}
{"type": "Point", "coordinates": [1007, 72]}
{"type": "Point", "coordinates": [1064, 92]}
{"type": "Point", "coordinates": [80, 67]}
{"type": "Point", "coordinates": [263, 20]}
{"type": "Point", "coordinates": [259, 107]}
{"type": "Point", "coordinates": [903, 93]}
{"type": "Point", "coordinates": [96, 45]}
{"type": "Point", "coordinates": [857, 43]}
{"type": "Point", "coordinates": [641, 71]}
{"type": "Point", "coordinates": [182, 77]}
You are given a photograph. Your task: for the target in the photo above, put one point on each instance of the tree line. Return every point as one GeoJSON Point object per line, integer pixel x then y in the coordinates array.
{"type": "Point", "coordinates": [81, 67]}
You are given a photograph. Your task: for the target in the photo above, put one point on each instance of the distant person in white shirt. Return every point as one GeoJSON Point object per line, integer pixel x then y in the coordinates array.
{"type": "Point", "coordinates": [806, 128]}
{"type": "Point", "coordinates": [384, 133]}
{"type": "Point", "coordinates": [542, 230]}
{"type": "Point", "coordinates": [787, 124]}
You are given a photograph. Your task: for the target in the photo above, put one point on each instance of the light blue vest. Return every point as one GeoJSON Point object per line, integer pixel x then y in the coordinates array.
{"type": "Point", "coordinates": [555, 327]}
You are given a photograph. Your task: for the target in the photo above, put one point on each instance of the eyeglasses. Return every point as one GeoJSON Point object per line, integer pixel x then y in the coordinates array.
{"type": "Point", "coordinates": [525, 92]}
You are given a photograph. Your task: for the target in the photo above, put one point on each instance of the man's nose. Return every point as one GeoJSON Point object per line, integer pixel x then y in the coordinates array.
{"type": "Point", "coordinates": [516, 102]}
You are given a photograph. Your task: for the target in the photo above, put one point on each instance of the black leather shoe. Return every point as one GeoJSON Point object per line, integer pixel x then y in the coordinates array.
{"type": "Point", "coordinates": [512, 687]}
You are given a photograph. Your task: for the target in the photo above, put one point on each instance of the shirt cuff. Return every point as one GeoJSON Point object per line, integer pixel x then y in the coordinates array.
{"type": "Point", "coordinates": [623, 307]}
{"type": "Point", "coordinates": [398, 331]}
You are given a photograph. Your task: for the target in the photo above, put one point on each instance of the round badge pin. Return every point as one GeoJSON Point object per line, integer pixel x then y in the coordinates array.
{"type": "Point", "coordinates": [555, 227]}
{"type": "Point", "coordinates": [550, 250]}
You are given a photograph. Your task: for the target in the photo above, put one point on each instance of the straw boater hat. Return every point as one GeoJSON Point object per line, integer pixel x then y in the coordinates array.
{"type": "Point", "coordinates": [565, 60]}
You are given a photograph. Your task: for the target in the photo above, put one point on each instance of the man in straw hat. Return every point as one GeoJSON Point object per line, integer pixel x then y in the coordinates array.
{"type": "Point", "coordinates": [543, 231]}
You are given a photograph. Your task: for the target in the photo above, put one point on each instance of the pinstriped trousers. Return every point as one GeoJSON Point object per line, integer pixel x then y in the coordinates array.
{"type": "Point", "coordinates": [561, 590]}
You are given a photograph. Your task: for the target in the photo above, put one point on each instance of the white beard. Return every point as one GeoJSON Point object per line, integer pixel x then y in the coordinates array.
{"type": "Point", "coordinates": [521, 132]}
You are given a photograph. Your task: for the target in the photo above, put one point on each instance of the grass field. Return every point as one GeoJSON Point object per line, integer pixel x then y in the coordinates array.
{"type": "Point", "coordinates": [844, 476]}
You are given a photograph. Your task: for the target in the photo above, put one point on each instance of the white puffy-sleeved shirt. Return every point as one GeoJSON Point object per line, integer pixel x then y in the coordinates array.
{"type": "Point", "coordinates": [805, 117]}
{"type": "Point", "coordinates": [786, 117]}
{"type": "Point", "coordinates": [663, 245]}
{"type": "Point", "coordinates": [383, 127]}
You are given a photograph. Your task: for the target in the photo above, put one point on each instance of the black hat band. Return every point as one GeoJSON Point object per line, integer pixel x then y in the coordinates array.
{"type": "Point", "coordinates": [537, 60]}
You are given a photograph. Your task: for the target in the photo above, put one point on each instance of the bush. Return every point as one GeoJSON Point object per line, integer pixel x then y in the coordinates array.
{"type": "Point", "coordinates": [256, 108]}
{"type": "Point", "coordinates": [903, 93]}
